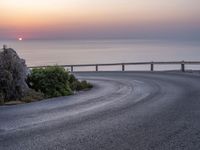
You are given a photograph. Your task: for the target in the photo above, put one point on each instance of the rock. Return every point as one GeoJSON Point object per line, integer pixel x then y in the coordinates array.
{"type": "Point", "coordinates": [13, 74]}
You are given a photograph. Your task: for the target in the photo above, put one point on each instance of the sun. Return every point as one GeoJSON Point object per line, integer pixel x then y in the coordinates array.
{"type": "Point", "coordinates": [20, 39]}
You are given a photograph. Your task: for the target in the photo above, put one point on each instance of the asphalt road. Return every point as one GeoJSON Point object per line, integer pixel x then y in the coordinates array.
{"type": "Point", "coordinates": [124, 111]}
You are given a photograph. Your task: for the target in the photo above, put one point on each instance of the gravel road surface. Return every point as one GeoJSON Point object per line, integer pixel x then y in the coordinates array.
{"type": "Point", "coordinates": [124, 111]}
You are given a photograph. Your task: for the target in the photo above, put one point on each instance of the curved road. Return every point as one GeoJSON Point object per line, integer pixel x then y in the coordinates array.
{"type": "Point", "coordinates": [124, 111]}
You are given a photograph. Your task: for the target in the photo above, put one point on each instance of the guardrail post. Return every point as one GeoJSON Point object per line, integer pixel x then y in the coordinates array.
{"type": "Point", "coordinates": [97, 68]}
{"type": "Point", "coordinates": [183, 67]}
{"type": "Point", "coordinates": [123, 67]}
{"type": "Point", "coordinates": [72, 69]}
{"type": "Point", "coordinates": [152, 66]}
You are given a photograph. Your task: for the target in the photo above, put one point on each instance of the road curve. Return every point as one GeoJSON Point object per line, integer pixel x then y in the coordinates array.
{"type": "Point", "coordinates": [124, 111]}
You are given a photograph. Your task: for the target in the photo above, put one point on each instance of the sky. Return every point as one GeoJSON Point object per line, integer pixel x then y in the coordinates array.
{"type": "Point", "coordinates": [69, 19]}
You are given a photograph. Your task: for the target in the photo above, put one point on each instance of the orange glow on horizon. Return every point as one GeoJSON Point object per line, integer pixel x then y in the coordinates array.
{"type": "Point", "coordinates": [30, 16]}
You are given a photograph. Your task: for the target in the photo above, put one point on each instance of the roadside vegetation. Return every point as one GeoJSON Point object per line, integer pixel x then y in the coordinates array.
{"type": "Point", "coordinates": [48, 82]}
{"type": "Point", "coordinates": [19, 84]}
{"type": "Point", "coordinates": [55, 81]}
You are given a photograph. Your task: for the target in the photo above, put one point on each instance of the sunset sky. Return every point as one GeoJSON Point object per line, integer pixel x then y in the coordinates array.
{"type": "Point", "coordinates": [54, 19]}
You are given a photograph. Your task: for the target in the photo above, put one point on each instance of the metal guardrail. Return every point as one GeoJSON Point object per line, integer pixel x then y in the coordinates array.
{"type": "Point", "coordinates": [123, 65]}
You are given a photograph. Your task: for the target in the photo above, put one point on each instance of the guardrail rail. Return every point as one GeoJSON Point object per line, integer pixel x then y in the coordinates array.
{"type": "Point", "coordinates": [123, 65]}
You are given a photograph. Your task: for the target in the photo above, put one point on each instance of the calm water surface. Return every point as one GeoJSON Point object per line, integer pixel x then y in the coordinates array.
{"type": "Point", "coordinates": [46, 52]}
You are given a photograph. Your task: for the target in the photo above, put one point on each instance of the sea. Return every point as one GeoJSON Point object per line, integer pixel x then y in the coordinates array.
{"type": "Point", "coordinates": [69, 52]}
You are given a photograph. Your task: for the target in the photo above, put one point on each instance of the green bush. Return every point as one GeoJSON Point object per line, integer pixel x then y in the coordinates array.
{"type": "Point", "coordinates": [76, 85]}
{"type": "Point", "coordinates": [80, 85]}
{"type": "Point", "coordinates": [52, 81]}
{"type": "Point", "coordinates": [85, 85]}
{"type": "Point", "coordinates": [32, 96]}
{"type": "Point", "coordinates": [72, 78]}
